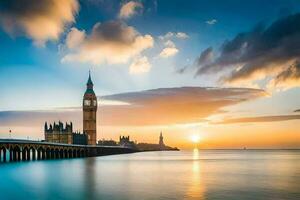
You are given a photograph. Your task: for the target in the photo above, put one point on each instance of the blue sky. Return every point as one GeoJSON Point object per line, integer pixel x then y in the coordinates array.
{"type": "Point", "coordinates": [23, 64]}
{"type": "Point", "coordinates": [144, 48]}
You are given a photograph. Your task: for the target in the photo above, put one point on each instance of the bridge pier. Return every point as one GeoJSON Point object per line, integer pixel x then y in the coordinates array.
{"type": "Point", "coordinates": [4, 155]}
{"type": "Point", "coordinates": [38, 154]}
{"type": "Point", "coordinates": [66, 155]}
{"type": "Point", "coordinates": [10, 154]}
{"type": "Point", "coordinates": [24, 157]}
{"type": "Point", "coordinates": [43, 154]}
{"type": "Point", "coordinates": [33, 154]}
{"type": "Point", "coordinates": [51, 155]}
{"type": "Point", "coordinates": [18, 152]}
{"type": "Point", "coordinates": [28, 154]}
{"type": "Point", "coordinates": [70, 154]}
{"type": "Point", "coordinates": [14, 157]}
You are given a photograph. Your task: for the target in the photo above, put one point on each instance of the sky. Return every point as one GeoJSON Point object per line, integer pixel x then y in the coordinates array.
{"type": "Point", "coordinates": [225, 72]}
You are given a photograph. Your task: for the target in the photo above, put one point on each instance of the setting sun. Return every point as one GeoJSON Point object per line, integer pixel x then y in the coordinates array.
{"type": "Point", "coordinates": [195, 138]}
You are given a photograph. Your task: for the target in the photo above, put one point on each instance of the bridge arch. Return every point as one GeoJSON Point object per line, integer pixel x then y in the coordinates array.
{"type": "Point", "coordinates": [16, 153]}
{"type": "Point", "coordinates": [41, 153]}
{"type": "Point", "coordinates": [25, 153]}
{"type": "Point", "coordinates": [32, 153]}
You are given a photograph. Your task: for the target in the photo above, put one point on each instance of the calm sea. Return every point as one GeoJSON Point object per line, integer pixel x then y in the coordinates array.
{"type": "Point", "coordinates": [203, 174]}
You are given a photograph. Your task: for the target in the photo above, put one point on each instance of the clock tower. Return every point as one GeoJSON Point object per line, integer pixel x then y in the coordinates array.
{"type": "Point", "coordinates": [89, 108]}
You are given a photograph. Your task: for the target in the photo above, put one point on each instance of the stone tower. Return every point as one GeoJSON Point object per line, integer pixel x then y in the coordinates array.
{"type": "Point", "coordinates": [161, 141]}
{"type": "Point", "coordinates": [89, 108]}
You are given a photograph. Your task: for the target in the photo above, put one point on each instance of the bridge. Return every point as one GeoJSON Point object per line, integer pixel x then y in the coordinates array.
{"type": "Point", "coordinates": [26, 150]}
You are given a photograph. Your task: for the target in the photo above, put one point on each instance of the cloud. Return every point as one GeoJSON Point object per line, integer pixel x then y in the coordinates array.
{"type": "Point", "coordinates": [140, 65]}
{"type": "Point", "coordinates": [129, 9]}
{"type": "Point", "coordinates": [75, 38]}
{"type": "Point", "coordinates": [290, 77]}
{"type": "Point", "coordinates": [261, 119]}
{"type": "Point", "coordinates": [40, 20]}
{"type": "Point", "coordinates": [169, 43]}
{"type": "Point", "coordinates": [112, 42]}
{"type": "Point", "coordinates": [271, 52]}
{"type": "Point", "coordinates": [182, 35]}
{"type": "Point", "coordinates": [168, 52]}
{"type": "Point", "coordinates": [162, 106]}
{"type": "Point", "coordinates": [205, 57]}
{"type": "Point", "coordinates": [211, 21]}
{"type": "Point", "coordinates": [169, 35]}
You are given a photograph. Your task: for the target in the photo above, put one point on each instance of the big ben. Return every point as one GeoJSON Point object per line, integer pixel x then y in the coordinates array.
{"type": "Point", "coordinates": [89, 108]}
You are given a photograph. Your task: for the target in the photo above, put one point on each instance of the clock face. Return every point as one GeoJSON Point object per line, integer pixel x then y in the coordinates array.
{"type": "Point", "coordinates": [94, 103]}
{"type": "Point", "coordinates": [87, 102]}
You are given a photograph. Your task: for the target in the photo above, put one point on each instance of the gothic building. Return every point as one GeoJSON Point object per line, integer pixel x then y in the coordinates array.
{"type": "Point", "coordinates": [161, 142]}
{"type": "Point", "coordinates": [125, 141]}
{"type": "Point", "coordinates": [89, 109]}
{"type": "Point", "coordinates": [58, 133]}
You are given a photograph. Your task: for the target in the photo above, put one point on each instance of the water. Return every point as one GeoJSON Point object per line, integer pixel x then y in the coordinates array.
{"type": "Point", "coordinates": [203, 174]}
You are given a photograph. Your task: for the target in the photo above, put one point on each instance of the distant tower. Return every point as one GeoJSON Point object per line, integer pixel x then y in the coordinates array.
{"type": "Point", "coordinates": [161, 141]}
{"type": "Point", "coordinates": [90, 112]}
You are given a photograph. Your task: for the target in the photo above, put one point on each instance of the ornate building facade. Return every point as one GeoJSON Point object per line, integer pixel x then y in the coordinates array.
{"type": "Point", "coordinates": [58, 133]}
{"type": "Point", "coordinates": [89, 109]}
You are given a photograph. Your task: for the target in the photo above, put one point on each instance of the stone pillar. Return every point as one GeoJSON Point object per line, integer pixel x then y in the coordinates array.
{"type": "Point", "coordinates": [14, 157]}
{"type": "Point", "coordinates": [18, 155]}
{"type": "Point", "coordinates": [4, 155]}
{"type": "Point", "coordinates": [52, 153]}
{"type": "Point", "coordinates": [11, 154]}
{"type": "Point", "coordinates": [43, 154]}
{"type": "Point", "coordinates": [28, 154]}
{"type": "Point", "coordinates": [38, 154]}
{"type": "Point", "coordinates": [23, 155]}
{"type": "Point", "coordinates": [33, 154]}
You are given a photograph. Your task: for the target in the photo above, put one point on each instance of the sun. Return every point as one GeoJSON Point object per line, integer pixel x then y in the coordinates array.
{"type": "Point", "coordinates": [195, 138]}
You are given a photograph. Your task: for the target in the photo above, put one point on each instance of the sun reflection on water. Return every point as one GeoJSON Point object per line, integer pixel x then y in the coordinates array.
{"type": "Point", "coordinates": [196, 189]}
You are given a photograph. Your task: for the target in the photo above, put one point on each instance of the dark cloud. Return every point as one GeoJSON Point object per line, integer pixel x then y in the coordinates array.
{"type": "Point", "coordinates": [205, 57]}
{"type": "Point", "coordinates": [261, 119]}
{"type": "Point", "coordinates": [151, 107]}
{"type": "Point", "coordinates": [291, 73]}
{"type": "Point", "coordinates": [265, 50]}
{"type": "Point", "coordinates": [40, 20]}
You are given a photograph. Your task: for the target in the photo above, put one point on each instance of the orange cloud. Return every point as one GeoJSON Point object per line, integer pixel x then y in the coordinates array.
{"type": "Point", "coordinates": [172, 105]}
{"type": "Point", "coordinates": [165, 106]}
{"type": "Point", "coordinates": [41, 20]}
{"type": "Point", "coordinates": [261, 119]}
{"type": "Point", "coordinates": [129, 9]}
